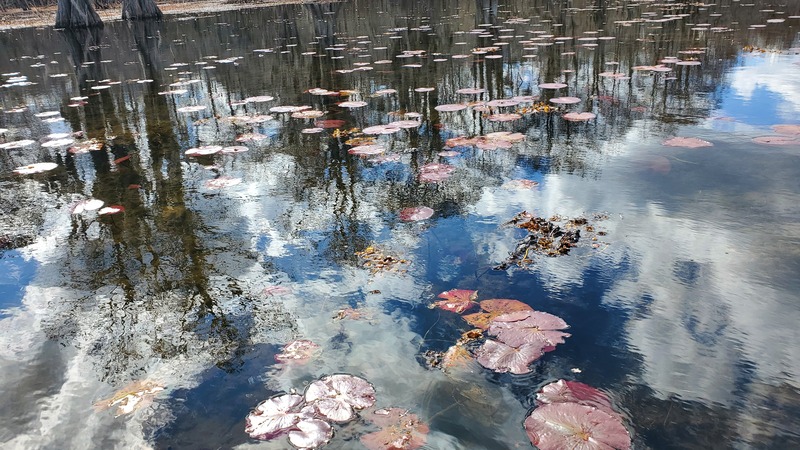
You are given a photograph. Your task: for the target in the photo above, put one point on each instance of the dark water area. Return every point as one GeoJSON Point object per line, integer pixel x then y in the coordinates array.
{"type": "Point", "coordinates": [682, 298]}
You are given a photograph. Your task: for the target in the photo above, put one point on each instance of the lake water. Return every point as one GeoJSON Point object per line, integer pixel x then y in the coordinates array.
{"type": "Point", "coordinates": [684, 310]}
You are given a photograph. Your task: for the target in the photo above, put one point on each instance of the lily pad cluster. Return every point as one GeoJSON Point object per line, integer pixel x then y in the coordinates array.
{"type": "Point", "coordinates": [307, 420]}
{"type": "Point", "coordinates": [519, 334]}
{"type": "Point", "coordinates": [555, 236]}
{"type": "Point", "coordinates": [570, 414]}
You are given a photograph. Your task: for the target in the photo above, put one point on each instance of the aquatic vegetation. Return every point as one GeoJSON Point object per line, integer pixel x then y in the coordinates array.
{"type": "Point", "coordinates": [416, 213]}
{"type": "Point", "coordinates": [458, 301]}
{"type": "Point", "coordinates": [400, 430]}
{"type": "Point", "coordinates": [688, 142]}
{"type": "Point", "coordinates": [131, 397]}
{"type": "Point", "coordinates": [338, 397]}
{"type": "Point", "coordinates": [299, 350]}
{"type": "Point", "coordinates": [35, 168]}
{"type": "Point", "coordinates": [572, 425]}
{"type": "Point", "coordinates": [376, 260]}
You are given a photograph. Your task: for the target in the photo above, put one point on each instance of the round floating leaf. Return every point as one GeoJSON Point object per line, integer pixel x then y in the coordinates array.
{"type": "Point", "coordinates": [457, 300]}
{"type": "Point", "coordinates": [504, 117]}
{"type": "Point", "coordinates": [552, 86]}
{"type": "Point", "coordinates": [337, 396]}
{"type": "Point", "coordinates": [274, 416]}
{"type": "Point", "coordinates": [777, 140]}
{"type": "Point", "coordinates": [494, 308]}
{"type": "Point", "coordinates": [352, 104]}
{"type": "Point", "coordinates": [565, 100]}
{"type": "Point", "coordinates": [366, 150]}
{"type": "Point", "coordinates": [222, 182]}
{"type": "Point", "coordinates": [504, 358]}
{"type": "Point", "coordinates": [298, 350]}
{"type": "Point", "coordinates": [688, 142]}
{"type": "Point", "coordinates": [189, 109]}
{"type": "Point", "coordinates": [434, 173]}
{"type": "Point", "coordinates": [563, 391]}
{"type": "Point", "coordinates": [787, 129]}
{"type": "Point", "coordinates": [131, 397]}
{"type": "Point", "coordinates": [501, 103]}
{"type": "Point", "coordinates": [400, 430]}
{"type": "Point", "coordinates": [471, 91]}
{"type": "Point", "coordinates": [330, 123]}
{"type": "Point", "coordinates": [111, 209]}
{"type": "Point", "coordinates": [205, 150]}
{"type": "Point", "coordinates": [570, 425]}
{"type": "Point", "coordinates": [310, 434]}
{"type": "Point", "coordinates": [450, 107]}
{"type": "Point", "coordinates": [529, 327]}
{"type": "Point", "coordinates": [35, 168]}
{"type": "Point", "coordinates": [381, 129]}
{"type": "Point", "coordinates": [416, 213]}
{"type": "Point", "coordinates": [579, 117]}
{"type": "Point", "coordinates": [259, 99]}
{"type": "Point", "coordinates": [90, 204]}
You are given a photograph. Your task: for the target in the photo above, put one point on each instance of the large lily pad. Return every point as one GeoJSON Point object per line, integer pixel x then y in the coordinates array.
{"type": "Point", "coordinates": [457, 300]}
{"type": "Point", "coordinates": [337, 397]}
{"type": "Point", "coordinates": [494, 308]}
{"type": "Point", "coordinates": [275, 416]}
{"type": "Point", "coordinates": [400, 430]}
{"type": "Point", "coordinates": [563, 391]}
{"type": "Point", "coordinates": [505, 358]}
{"type": "Point", "coordinates": [572, 426]}
{"type": "Point", "coordinates": [529, 327]}
{"type": "Point", "coordinates": [310, 434]}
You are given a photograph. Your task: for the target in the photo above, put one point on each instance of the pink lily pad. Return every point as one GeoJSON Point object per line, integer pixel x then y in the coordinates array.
{"type": "Point", "coordinates": [503, 358]}
{"type": "Point", "coordinates": [502, 103]}
{"type": "Point", "coordinates": [458, 301]}
{"type": "Point", "coordinates": [415, 213]}
{"type": "Point", "coordinates": [352, 104]}
{"type": "Point", "coordinates": [687, 142]}
{"type": "Point", "coordinates": [565, 100]}
{"type": "Point", "coordinates": [777, 139]}
{"type": "Point", "coordinates": [529, 327]}
{"type": "Point", "coordinates": [35, 168]}
{"type": "Point", "coordinates": [330, 123]}
{"type": "Point", "coordinates": [552, 86]}
{"type": "Point", "coordinates": [433, 173]}
{"type": "Point", "coordinates": [574, 426]}
{"type": "Point", "coordinates": [400, 430]}
{"type": "Point", "coordinates": [450, 107]}
{"type": "Point", "coordinates": [337, 397]}
{"type": "Point", "coordinates": [366, 150]}
{"type": "Point", "coordinates": [563, 391]}
{"type": "Point", "coordinates": [204, 150]}
{"type": "Point", "coordinates": [90, 204]}
{"type": "Point", "coordinates": [504, 117]}
{"type": "Point", "coordinates": [787, 129]}
{"type": "Point", "coordinates": [190, 109]}
{"type": "Point", "coordinates": [274, 417]}
{"type": "Point", "coordinates": [311, 434]}
{"type": "Point", "coordinates": [381, 129]}
{"type": "Point", "coordinates": [297, 351]}
{"type": "Point", "coordinates": [259, 99]}
{"type": "Point", "coordinates": [471, 91]}
{"type": "Point", "coordinates": [111, 209]}
{"type": "Point", "coordinates": [579, 117]}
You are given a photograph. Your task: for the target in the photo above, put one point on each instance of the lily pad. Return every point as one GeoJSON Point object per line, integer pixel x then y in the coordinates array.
{"type": "Point", "coordinates": [310, 434]}
{"type": "Point", "coordinates": [505, 358]}
{"type": "Point", "coordinates": [400, 430]}
{"type": "Point", "coordinates": [131, 397]}
{"type": "Point", "coordinates": [35, 168]}
{"type": "Point", "coordinates": [457, 300]}
{"type": "Point", "coordinates": [494, 308]}
{"type": "Point", "coordinates": [563, 391]}
{"type": "Point", "coordinates": [415, 213]}
{"type": "Point", "coordinates": [337, 397]}
{"type": "Point", "coordinates": [574, 426]}
{"type": "Point", "coordinates": [529, 327]}
{"type": "Point", "coordinates": [298, 350]}
{"type": "Point", "coordinates": [687, 142]}
{"type": "Point", "coordinates": [274, 417]}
